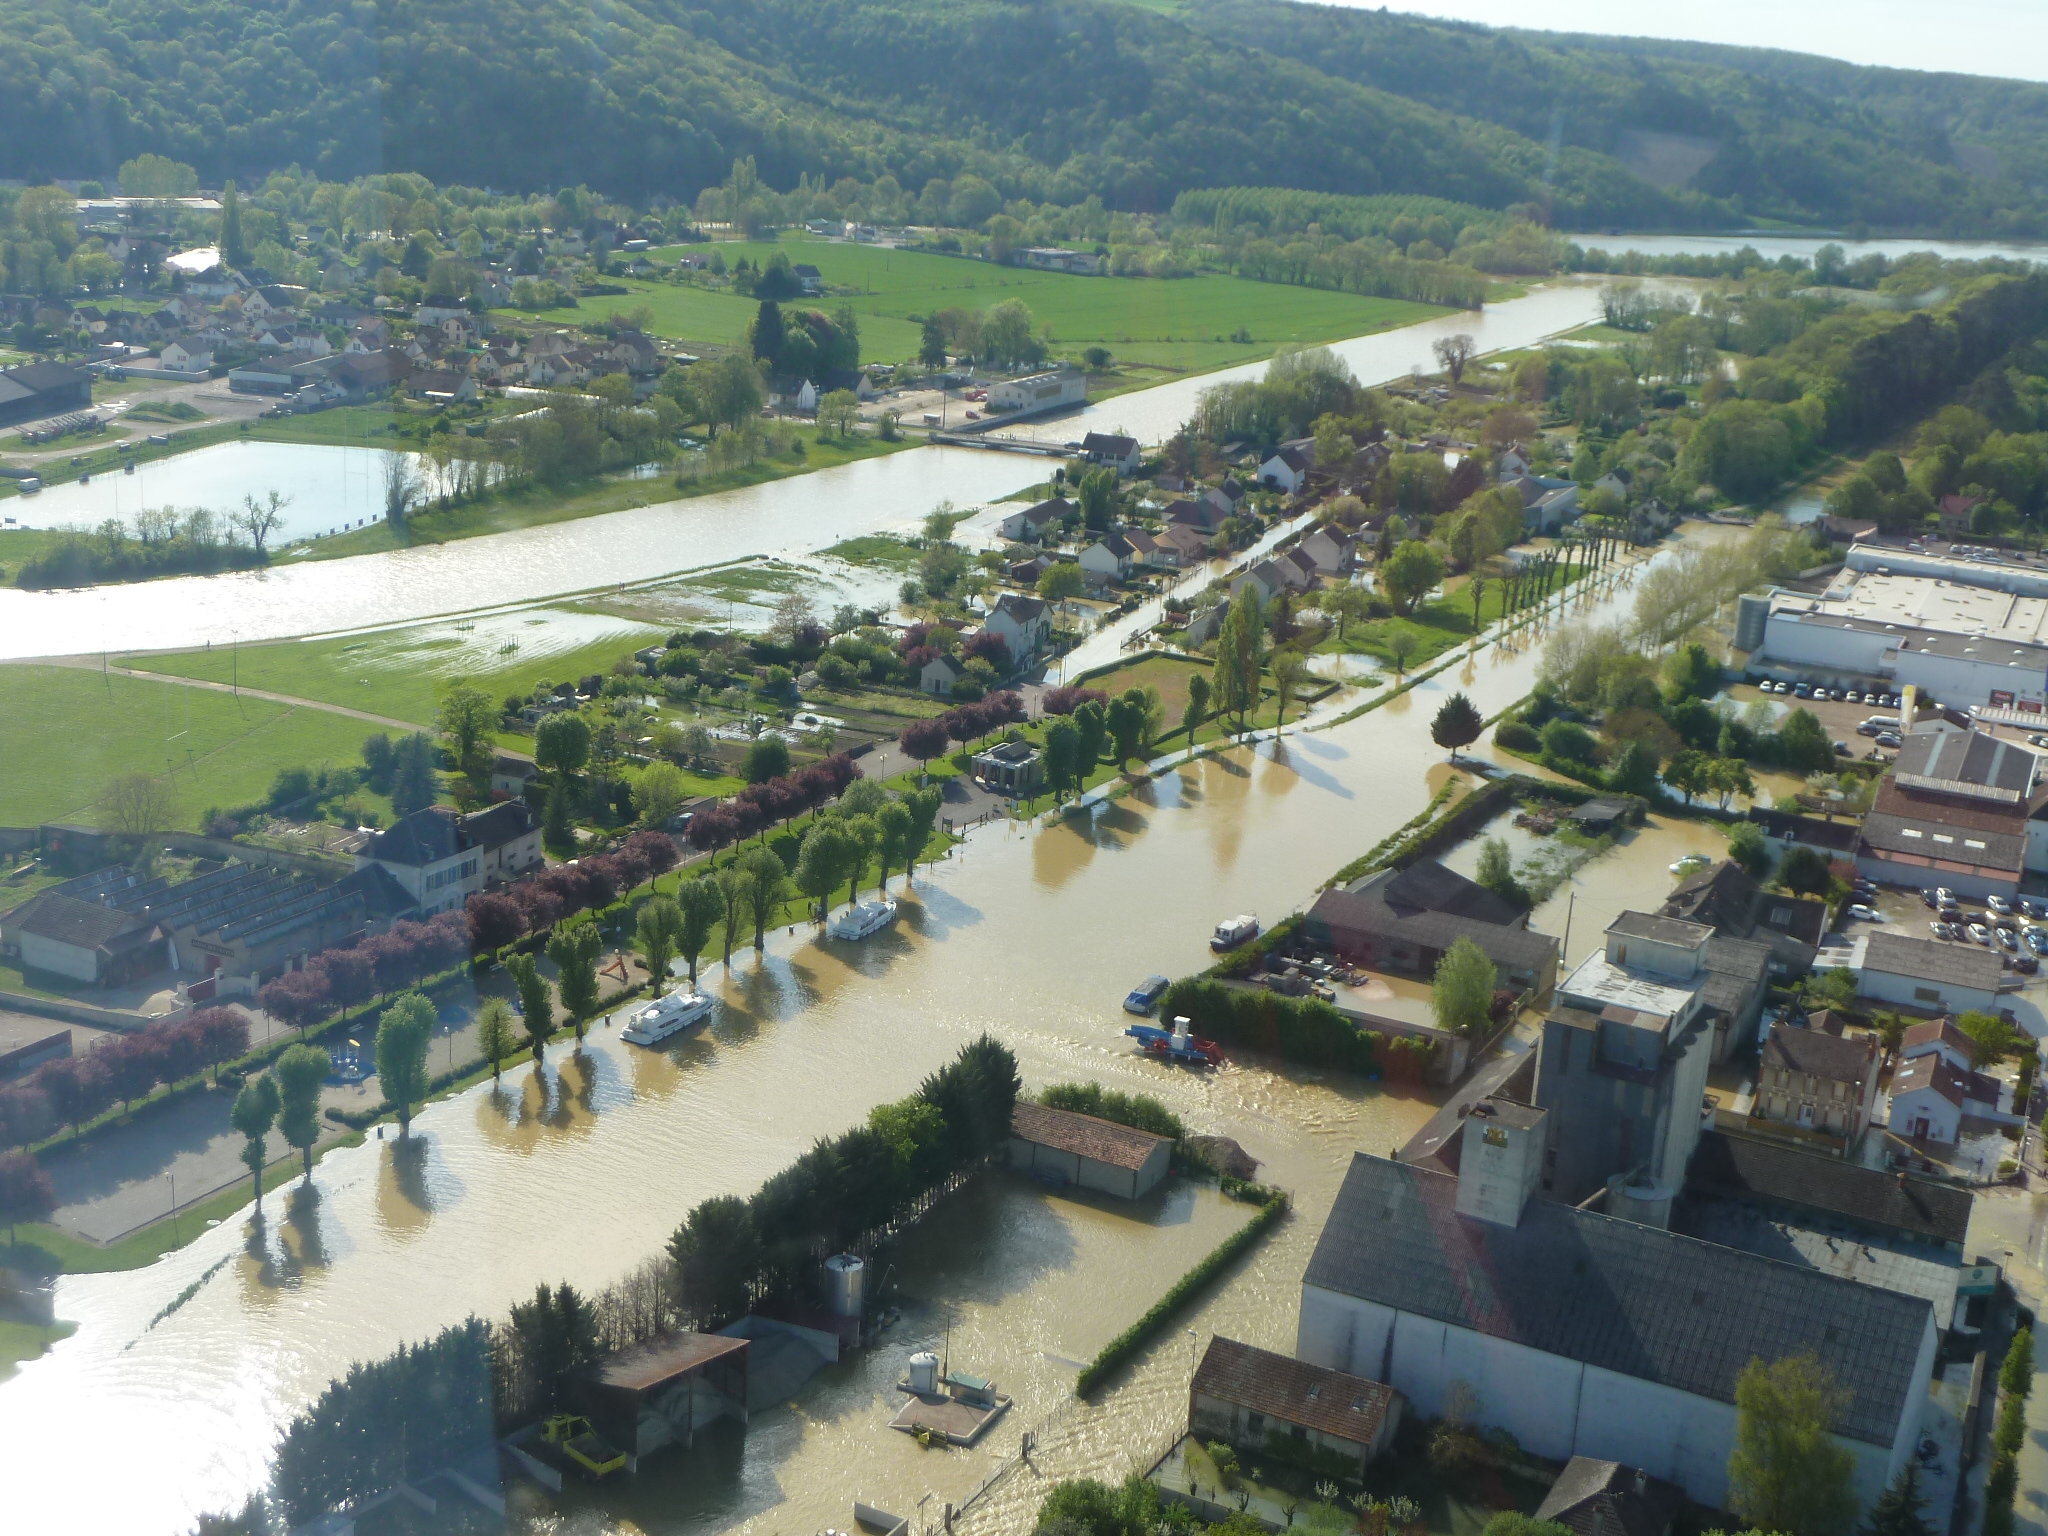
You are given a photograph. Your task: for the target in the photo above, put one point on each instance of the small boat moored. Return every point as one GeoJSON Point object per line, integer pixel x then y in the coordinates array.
{"type": "Point", "coordinates": [1234, 931]}
{"type": "Point", "coordinates": [1144, 997]}
{"type": "Point", "coordinates": [667, 1016]}
{"type": "Point", "coordinates": [862, 919]}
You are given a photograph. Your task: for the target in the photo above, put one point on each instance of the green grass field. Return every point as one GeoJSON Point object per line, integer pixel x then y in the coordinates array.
{"type": "Point", "coordinates": [1183, 324]}
{"type": "Point", "coordinates": [69, 732]}
{"type": "Point", "coordinates": [403, 673]}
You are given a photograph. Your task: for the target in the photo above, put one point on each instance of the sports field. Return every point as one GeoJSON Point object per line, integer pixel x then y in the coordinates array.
{"type": "Point", "coordinates": [217, 749]}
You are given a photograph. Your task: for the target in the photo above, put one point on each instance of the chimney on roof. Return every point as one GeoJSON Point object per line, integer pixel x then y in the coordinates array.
{"type": "Point", "coordinates": [1500, 1161]}
{"type": "Point", "coordinates": [1642, 1482]}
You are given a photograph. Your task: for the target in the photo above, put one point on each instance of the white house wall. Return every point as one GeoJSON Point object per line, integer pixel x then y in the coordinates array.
{"type": "Point", "coordinates": [1825, 646]}
{"type": "Point", "coordinates": [1945, 997]}
{"type": "Point", "coordinates": [58, 958]}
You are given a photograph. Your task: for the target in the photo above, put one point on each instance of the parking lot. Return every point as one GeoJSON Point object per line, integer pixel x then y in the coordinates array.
{"type": "Point", "coordinates": [1967, 921]}
{"type": "Point", "coordinates": [1838, 715]}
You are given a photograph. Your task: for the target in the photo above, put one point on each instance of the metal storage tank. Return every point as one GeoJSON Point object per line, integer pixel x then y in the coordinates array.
{"type": "Point", "coordinates": [1752, 610]}
{"type": "Point", "coordinates": [845, 1284]}
{"type": "Point", "coordinates": [1640, 1198]}
{"type": "Point", "coordinates": [924, 1372]}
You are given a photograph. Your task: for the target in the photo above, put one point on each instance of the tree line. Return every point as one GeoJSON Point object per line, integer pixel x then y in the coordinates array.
{"type": "Point", "coordinates": [428, 1405]}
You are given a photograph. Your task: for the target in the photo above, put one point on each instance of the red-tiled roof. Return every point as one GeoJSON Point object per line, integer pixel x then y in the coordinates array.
{"type": "Point", "coordinates": [1102, 1141]}
{"type": "Point", "coordinates": [1294, 1392]}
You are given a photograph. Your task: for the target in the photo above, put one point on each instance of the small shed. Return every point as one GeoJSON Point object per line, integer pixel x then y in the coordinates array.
{"type": "Point", "coordinates": [657, 1393]}
{"type": "Point", "coordinates": [1247, 1397]}
{"type": "Point", "coordinates": [1607, 1498]}
{"type": "Point", "coordinates": [1061, 1147]}
{"type": "Point", "coordinates": [1013, 768]}
{"type": "Point", "coordinates": [1596, 818]}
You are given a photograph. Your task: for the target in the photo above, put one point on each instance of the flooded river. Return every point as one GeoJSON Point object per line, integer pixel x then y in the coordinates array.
{"type": "Point", "coordinates": [582, 1170]}
{"type": "Point", "coordinates": [795, 516]}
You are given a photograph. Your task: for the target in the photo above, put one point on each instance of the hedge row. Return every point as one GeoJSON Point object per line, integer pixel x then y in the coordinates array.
{"type": "Point", "coordinates": [1140, 1333]}
{"type": "Point", "coordinates": [1303, 1029]}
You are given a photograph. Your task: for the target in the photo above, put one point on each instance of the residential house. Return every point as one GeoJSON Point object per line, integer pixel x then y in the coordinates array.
{"type": "Point", "coordinates": [808, 278]}
{"type": "Point", "coordinates": [1608, 1498]}
{"type": "Point", "coordinates": [1112, 448]}
{"type": "Point", "coordinates": [1939, 1037]}
{"type": "Point", "coordinates": [1286, 468]}
{"type": "Point", "coordinates": [441, 384]}
{"type": "Point", "coordinates": [1150, 552]}
{"type": "Point", "coordinates": [1025, 573]}
{"type": "Point", "coordinates": [440, 858]}
{"type": "Point", "coordinates": [1264, 581]}
{"type": "Point", "coordinates": [1189, 545]}
{"type": "Point", "coordinates": [1109, 559]}
{"type": "Point", "coordinates": [511, 772]}
{"type": "Point", "coordinates": [1334, 553]}
{"type": "Point", "coordinates": [1029, 525]}
{"type": "Point", "coordinates": [1059, 1146]}
{"type": "Point", "coordinates": [1513, 464]}
{"type": "Point", "coordinates": [1250, 1397]}
{"type": "Point", "coordinates": [1815, 1080]}
{"type": "Point", "coordinates": [1547, 503]}
{"type": "Point", "coordinates": [1927, 976]}
{"type": "Point", "coordinates": [1204, 624]}
{"type": "Point", "coordinates": [1053, 259]}
{"type": "Point", "coordinates": [1298, 568]}
{"type": "Point", "coordinates": [938, 675]}
{"type": "Point", "coordinates": [1727, 898]}
{"type": "Point", "coordinates": [1024, 623]}
{"type": "Point", "coordinates": [1405, 921]}
{"type": "Point", "coordinates": [1201, 513]}
{"type": "Point", "coordinates": [1930, 1099]}
{"type": "Point", "coordinates": [1583, 1335]}
{"type": "Point", "coordinates": [550, 370]}
{"type": "Point", "coordinates": [1615, 482]}
{"type": "Point", "coordinates": [183, 357]}
{"type": "Point", "coordinates": [1957, 513]}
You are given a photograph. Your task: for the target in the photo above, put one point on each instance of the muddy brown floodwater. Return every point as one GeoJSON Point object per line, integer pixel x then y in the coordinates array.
{"type": "Point", "coordinates": [581, 1170]}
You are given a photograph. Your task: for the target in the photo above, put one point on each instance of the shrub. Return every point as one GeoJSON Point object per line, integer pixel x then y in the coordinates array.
{"type": "Point", "coordinates": [1570, 741]}
{"type": "Point", "coordinates": [1300, 1029]}
{"type": "Point", "coordinates": [1515, 736]}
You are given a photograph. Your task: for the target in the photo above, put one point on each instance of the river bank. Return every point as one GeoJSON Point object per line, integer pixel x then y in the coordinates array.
{"type": "Point", "coordinates": [514, 1187]}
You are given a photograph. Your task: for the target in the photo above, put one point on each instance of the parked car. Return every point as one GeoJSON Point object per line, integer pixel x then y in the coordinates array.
{"type": "Point", "coordinates": [1864, 914]}
{"type": "Point", "coordinates": [2037, 740]}
{"type": "Point", "coordinates": [1842, 749]}
{"type": "Point", "coordinates": [1868, 728]}
{"type": "Point", "coordinates": [1930, 898]}
{"type": "Point", "coordinates": [1890, 739]}
{"type": "Point", "coordinates": [1998, 904]}
{"type": "Point", "coordinates": [2009, 939]}
{"type": "Point", "coordinates": [1803, 691]}
{"type": "Point", "coordinates": [2037, 940]}
{"type": "Point", "coordinates": [1944, 895]}
{"type": "Point", "coordinates": [2026, 965]}
{"type": "Point", "coordinates": [1979, 934]}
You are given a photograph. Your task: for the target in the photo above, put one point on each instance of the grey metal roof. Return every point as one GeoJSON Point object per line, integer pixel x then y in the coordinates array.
{"type": "Point", "coordinates": [1630, 1299]}
{"type": "Point", "coordinates": [1960, 965]}
{"type": "Point", "coordinates": [1816, 1053]}
{"type": "Point", "coordinates": [1969, 758]}
{"type": "Point", "coordinates": [1928, 837]}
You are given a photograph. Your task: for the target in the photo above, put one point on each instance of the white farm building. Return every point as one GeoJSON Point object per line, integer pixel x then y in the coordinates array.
{"type": "Point", "coordinates": [1586, 1335]}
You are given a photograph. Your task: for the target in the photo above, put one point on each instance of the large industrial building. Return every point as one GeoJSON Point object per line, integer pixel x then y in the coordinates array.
{"type": "Point", "coordinates": [1968, 626]}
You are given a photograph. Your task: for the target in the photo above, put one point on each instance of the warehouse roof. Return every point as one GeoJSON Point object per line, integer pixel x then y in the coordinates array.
{"type": "Point", "coordinates": [67, 920]}
{"type": "Point", "coordinates": [1627, 1298]}
{"type": "Point", "coordinates": [1960, 965]}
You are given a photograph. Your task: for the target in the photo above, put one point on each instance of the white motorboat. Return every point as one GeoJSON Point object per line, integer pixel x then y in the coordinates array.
{"type": "Point", "coordinates": [862, 919]}
{"type": "Point", "coordinates": [668, 1016]}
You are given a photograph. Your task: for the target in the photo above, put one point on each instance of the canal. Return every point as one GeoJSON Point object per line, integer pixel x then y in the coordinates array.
{"type": "Point", "coordinates": [582, 1170]}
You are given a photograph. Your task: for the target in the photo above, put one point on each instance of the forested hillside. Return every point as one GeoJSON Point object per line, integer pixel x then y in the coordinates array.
{"type": "Point", "coordinates": [1049, 101]}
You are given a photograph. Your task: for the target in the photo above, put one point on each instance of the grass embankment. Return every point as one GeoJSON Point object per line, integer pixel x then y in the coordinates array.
{"type": "Point", "coordinates": [534, 506]}
{"type": "Point", "coordinates": [876, 549]}
{"type": "Point", "coordinates": [1184, 1290]}
{"type": "Point", "coordinates": [1180, 324]}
